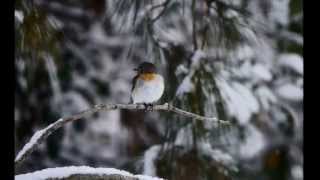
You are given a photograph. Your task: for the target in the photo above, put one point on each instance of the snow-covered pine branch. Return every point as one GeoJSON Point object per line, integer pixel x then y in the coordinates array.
{"type": "Point", "coordinates": [82, 172]}
{"type": "Point", "coordinates": [41, 135]}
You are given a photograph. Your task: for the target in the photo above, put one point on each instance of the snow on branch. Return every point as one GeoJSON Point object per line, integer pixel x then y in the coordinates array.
{"type": "Point", "coordinates": [41, 135]}
{"type": "Point", "coordinates": [82, 172]}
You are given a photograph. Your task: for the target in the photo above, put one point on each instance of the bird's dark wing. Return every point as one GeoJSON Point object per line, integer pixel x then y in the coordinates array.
{"type": "Point", "coordinates": [134, 82]}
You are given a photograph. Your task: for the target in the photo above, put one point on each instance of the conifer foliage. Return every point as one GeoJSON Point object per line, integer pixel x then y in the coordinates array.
{"type": "Point", "coordinates": [237, 60]}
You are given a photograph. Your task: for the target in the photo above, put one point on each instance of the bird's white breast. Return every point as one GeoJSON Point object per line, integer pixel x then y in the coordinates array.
{"type": "Point", "coordinates": [148, 91]}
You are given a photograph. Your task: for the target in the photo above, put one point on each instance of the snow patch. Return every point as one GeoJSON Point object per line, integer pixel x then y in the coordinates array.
{"type": "Point", "coordinates": [297, 172]}
{"type": "Point", "coordinates": [196, 58]}
{"type": "Point", "coordinates": [171, 35]}
{"type": "Point", "coordinates": [245, 70]}
{"type": "Point", "coordinates": [240, 101]}
{"type": "Point", "coordinates": [217, 154]}
{"type": "Point", "coordinates": [58, 24]}
{"type": "Point", "coordinates": [280, 11]}
{"type": "Point", "coordinates": [293, 37]}
{"type": "Point", "coordinates": [73, 102]}
{"type": "Point", "coordinates": [185, 87]}
{"type": "Point", "coordinates": [184, 137]}
{"type": "Point", "coordinates": [54, 82]}
{"type": "Point", "coordinates": [260, 71]}
{"type": "Point", "coordinates": [149, 157]}
{"type": "Point", "coordinates": [244, 52]}
{"type": "Point", "coordinates": [253, 143]}
{"type": "Point", "coordinates": [247, 95]}
{"type": "Point", "coordinates": [266, 97]}
{"type": "Point", "coordinates": [231, 14]}
{"type": "Point", "coordinates": [181, 69]}
{"type": "Point", "coordinates": [19, 15]}
{"type": "Point", "coordinates": [292, 61]}
{"type": "Point", "coordinates": [290, 92]}
{"type": "Point", "coordinates": [64, 172]}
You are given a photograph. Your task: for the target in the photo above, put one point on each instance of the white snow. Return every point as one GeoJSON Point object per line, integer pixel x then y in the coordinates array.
{"type": "Point", "coordinates": [261, 72]}
{"type": "Point", "coordinates": [239, 100]}
{"type": "Point", "coordinates": [264, 51]}
{"type": "Point", "coordinates": [63, 172]}
{"type": "Point", "coordinates": [266, 97]}
{"type": "Point", "coordinates": [56, 23]}
{"type": "Point", "coordinates": [163, 45]}
{"type": "Point", "coordinates": [16, 115]}
{"type": "Point", "coordinates": [231, 14]}
{"type": "Point", "coordinates": [20, 64]}
{"type": "Point", "coordinates": [196, 58]}
{"type": "Point", "coordinates": [300, 82]}
{"type": "Point", "coordinates": [185, 87]}
{"type": "Point", "coordinates": [184, 137]}
{"type": "Point", "coordinates": [170, 35]}
{"type": "Point", "coordinates": [149, 157]}
{"type": "Point", "coordinates": [54, 82]}
{"type": "Point", "coordinates": [34, 139]}
{"type": "Point", "coordinates": [220, 156]}
{"type": "Point", "coordinates": [152, 11]}
{"type": "Point", "coordinates": [217, 154]}
{"type": "Point", "coordinates": [108, 125]}
{"type": "Point", "coordinates": [244, 52]}
{"type": "Point", "coordinates": [290, 92]}
{"type": "Point", "coordinates": [280, 11]}
{"type": "Point", "coordinates": [245, 70]}
{"type": "Point", "coordinates": [19, 15]}
{"type": "Point", "coordinates": [145, 177]}
{"type": "Point", "coordinates": [297, 172]}
{"type": "Point", "coordinates": [292, 36]}
{"type": "Point", "coordinates": [250, 101]}
{"type": "Point", "coordinates": [74, 102]}
{"type": "Point", "coordinates": [253, 143]}
{"type": "Point", "coordinates": [181, 69]}
{"type": "Point", "coordinates": [98, 36]}
{"type": "Point", "coordinates": [292, 61]}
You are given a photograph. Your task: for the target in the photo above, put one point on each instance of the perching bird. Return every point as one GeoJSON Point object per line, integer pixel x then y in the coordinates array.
{"type": "Point", "coordinates": [147, 85]}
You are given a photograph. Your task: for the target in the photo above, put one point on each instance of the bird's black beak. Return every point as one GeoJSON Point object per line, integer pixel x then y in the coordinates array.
{"type": "Point", "coordinates": [135, 69]}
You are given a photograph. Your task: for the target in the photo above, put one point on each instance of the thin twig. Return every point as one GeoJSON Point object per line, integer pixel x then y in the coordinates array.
{"type": "Point", "coordinates": [41, 135]}
{"type": "Point", "coordinates": [159, 5]}
{"type": "Point", "coordinates": [194, 35]}
{"type": "Point", "coordinates": [226, 6]}
{"type": "Point", "coordinates": [164, 5]}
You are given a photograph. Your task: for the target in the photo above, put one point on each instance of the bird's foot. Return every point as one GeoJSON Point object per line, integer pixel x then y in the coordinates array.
{"type": "Point", "coordinates": [151, 106]}
{"type": "Point", "coordinates": [148, 107]}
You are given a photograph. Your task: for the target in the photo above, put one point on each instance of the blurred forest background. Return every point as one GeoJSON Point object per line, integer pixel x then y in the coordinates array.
{"type": "Point", "coordinates": [238, 60]}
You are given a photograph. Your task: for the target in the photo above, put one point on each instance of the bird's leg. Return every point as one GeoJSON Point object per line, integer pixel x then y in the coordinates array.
{"type": "Point", "coordinates": [148, 106]}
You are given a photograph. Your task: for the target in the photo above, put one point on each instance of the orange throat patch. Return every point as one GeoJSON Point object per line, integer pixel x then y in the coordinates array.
{"type": "Point", "coordinates": [147, 76]}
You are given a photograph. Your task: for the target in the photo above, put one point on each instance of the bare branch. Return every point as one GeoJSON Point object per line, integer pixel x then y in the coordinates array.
{"type": "Point", "coordinates": [41, 135]}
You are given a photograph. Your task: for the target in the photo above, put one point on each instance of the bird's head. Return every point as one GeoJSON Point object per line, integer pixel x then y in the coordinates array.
{"type": "Point", "coordinates": [146, 68]}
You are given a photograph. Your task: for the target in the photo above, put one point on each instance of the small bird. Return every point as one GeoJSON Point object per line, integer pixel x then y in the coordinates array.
{"type": "Point", "coordinates": [147, 85]}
